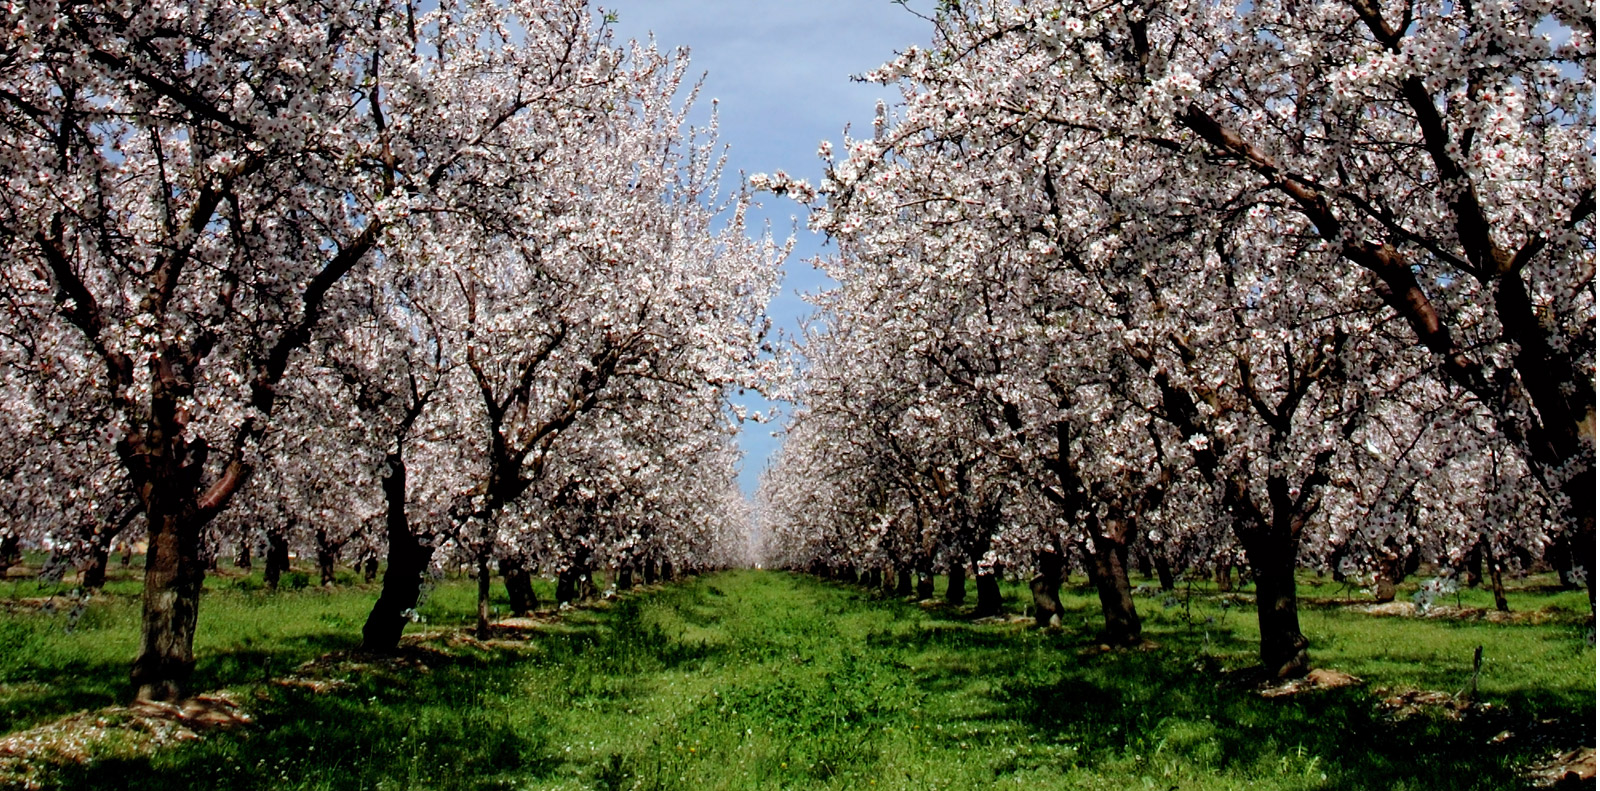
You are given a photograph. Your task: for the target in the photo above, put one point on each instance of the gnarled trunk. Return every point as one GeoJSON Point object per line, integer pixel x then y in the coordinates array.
{"type": "Point", "coordinates": [174, 572]}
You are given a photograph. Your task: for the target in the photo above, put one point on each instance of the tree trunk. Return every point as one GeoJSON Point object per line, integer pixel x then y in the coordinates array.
{"type": "Point", "coordinates": [10, 552]}
{"type": "Point", "coordinates": [1107, 565]}
{"type": "Point", "coordinates": [402, 581]}
{"type": "Point", "coordinates": [1046, 587]}
{"type": "Point", "coordinates": [277, 557]}
{"type": "Point", "coordinates": [519, 587]}
{"type": "Point", "coordinates": [94, 572]}
{"type": "Point", "coordinates": [650, 572]}
{"type": "Point", "coordinates": [1496, 581]}
{"type": "Point", "coordinates": [327, 556]}
{"type": "Point", "coordinates": [1474, 565]}
{"type": "Point", "coordinates": [173, 575]}
{"type": "Point", "coordinates": [1225, 578]}
{"type": "Point", "coordinates": [903, 584]}
{"type": "Point", "coordinates": [873, 578]}
{"type": "Point", "coordinates": [242, 560]}
{"type": "Point", "coordinates": [1164, 572]}
{"type": "Point", "coordinates": [989, 601]}
{"type": "Point", "coordinates": [483, 596]}
{"type": "Point", "coordinates": [625, 578]}
{"type": "Point", "coordinates": [369, 568]}
{"type": "Point", "coordinates": [668, 573]}
{"type": "Point", "coordinates": [1272, 553]}
{"type": "Point", "coordinates": [955, 590]}
{"type": "Point", "coordinates": [924, 585]}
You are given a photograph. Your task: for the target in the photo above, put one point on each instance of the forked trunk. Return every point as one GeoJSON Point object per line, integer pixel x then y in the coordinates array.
{"type": "Point", "coordinates": [1107, 566]}
{"type": "Point", "coordinates": [1046, 587]}
{"type": "Point", "coordinates": [402, 581]}
{"type": "Point", "coordinates": [955, 589]}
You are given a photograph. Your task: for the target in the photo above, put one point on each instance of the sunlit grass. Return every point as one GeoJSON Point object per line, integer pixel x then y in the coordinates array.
{"type": "Point", "coordinates": [767, 680]}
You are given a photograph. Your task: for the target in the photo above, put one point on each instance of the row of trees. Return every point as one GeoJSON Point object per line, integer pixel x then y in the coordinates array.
{"type": "Point", "coordinates": [1281, 284]}
{"type": "Point", "coordinates": [443, 279]}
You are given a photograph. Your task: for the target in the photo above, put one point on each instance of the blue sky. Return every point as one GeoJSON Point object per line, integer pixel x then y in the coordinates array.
{"type": "Point", "coordinates": [780, 70]}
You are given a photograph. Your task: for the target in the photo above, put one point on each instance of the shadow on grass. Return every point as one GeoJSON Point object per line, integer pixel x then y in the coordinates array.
{"type": "Point", "coordinates": [35, 693]}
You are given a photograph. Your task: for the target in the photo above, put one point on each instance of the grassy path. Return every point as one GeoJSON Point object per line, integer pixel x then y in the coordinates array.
{"type": "Point", "coordinates": [766, 680]}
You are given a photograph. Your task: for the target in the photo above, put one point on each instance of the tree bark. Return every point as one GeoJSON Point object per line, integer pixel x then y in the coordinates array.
{"type": "Point", "coordinates": [668, 573]}
{"type": "Point", "coordinates": [1107, 566]}
{"type": "Point", "coordinates": [173, 575]}
{"type": "Point", "coordinates": [955, 589]}
{"type": "Point", "coordinates": [519, 587]}
{"type": "Point", "coordinates": [924, 586]}
{"type": "Point", "coordinates": [1284, 650]}
{"type": "Point", "coordinates": [625, 578]}
{"type": "Point", "coordinates": [903, 584]}
{"type": "Point", "coordinates": [369, 568]}
{"type": "Point", "coordinates": [1046, 587]}
{"type": "Point", "coordinates": [241, 561]}
{"type": "Point", "coordinates": [402, 581]}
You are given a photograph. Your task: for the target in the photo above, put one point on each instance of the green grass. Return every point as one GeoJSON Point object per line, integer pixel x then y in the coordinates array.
{"type": "Point", "coordinates": [769, 680]}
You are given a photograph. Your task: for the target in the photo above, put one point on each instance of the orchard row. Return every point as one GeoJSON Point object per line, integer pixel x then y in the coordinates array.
{"type": "Point", "coordinates": [442, 282]}
{"type": "Point", "coordinates": [1267, 285]}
